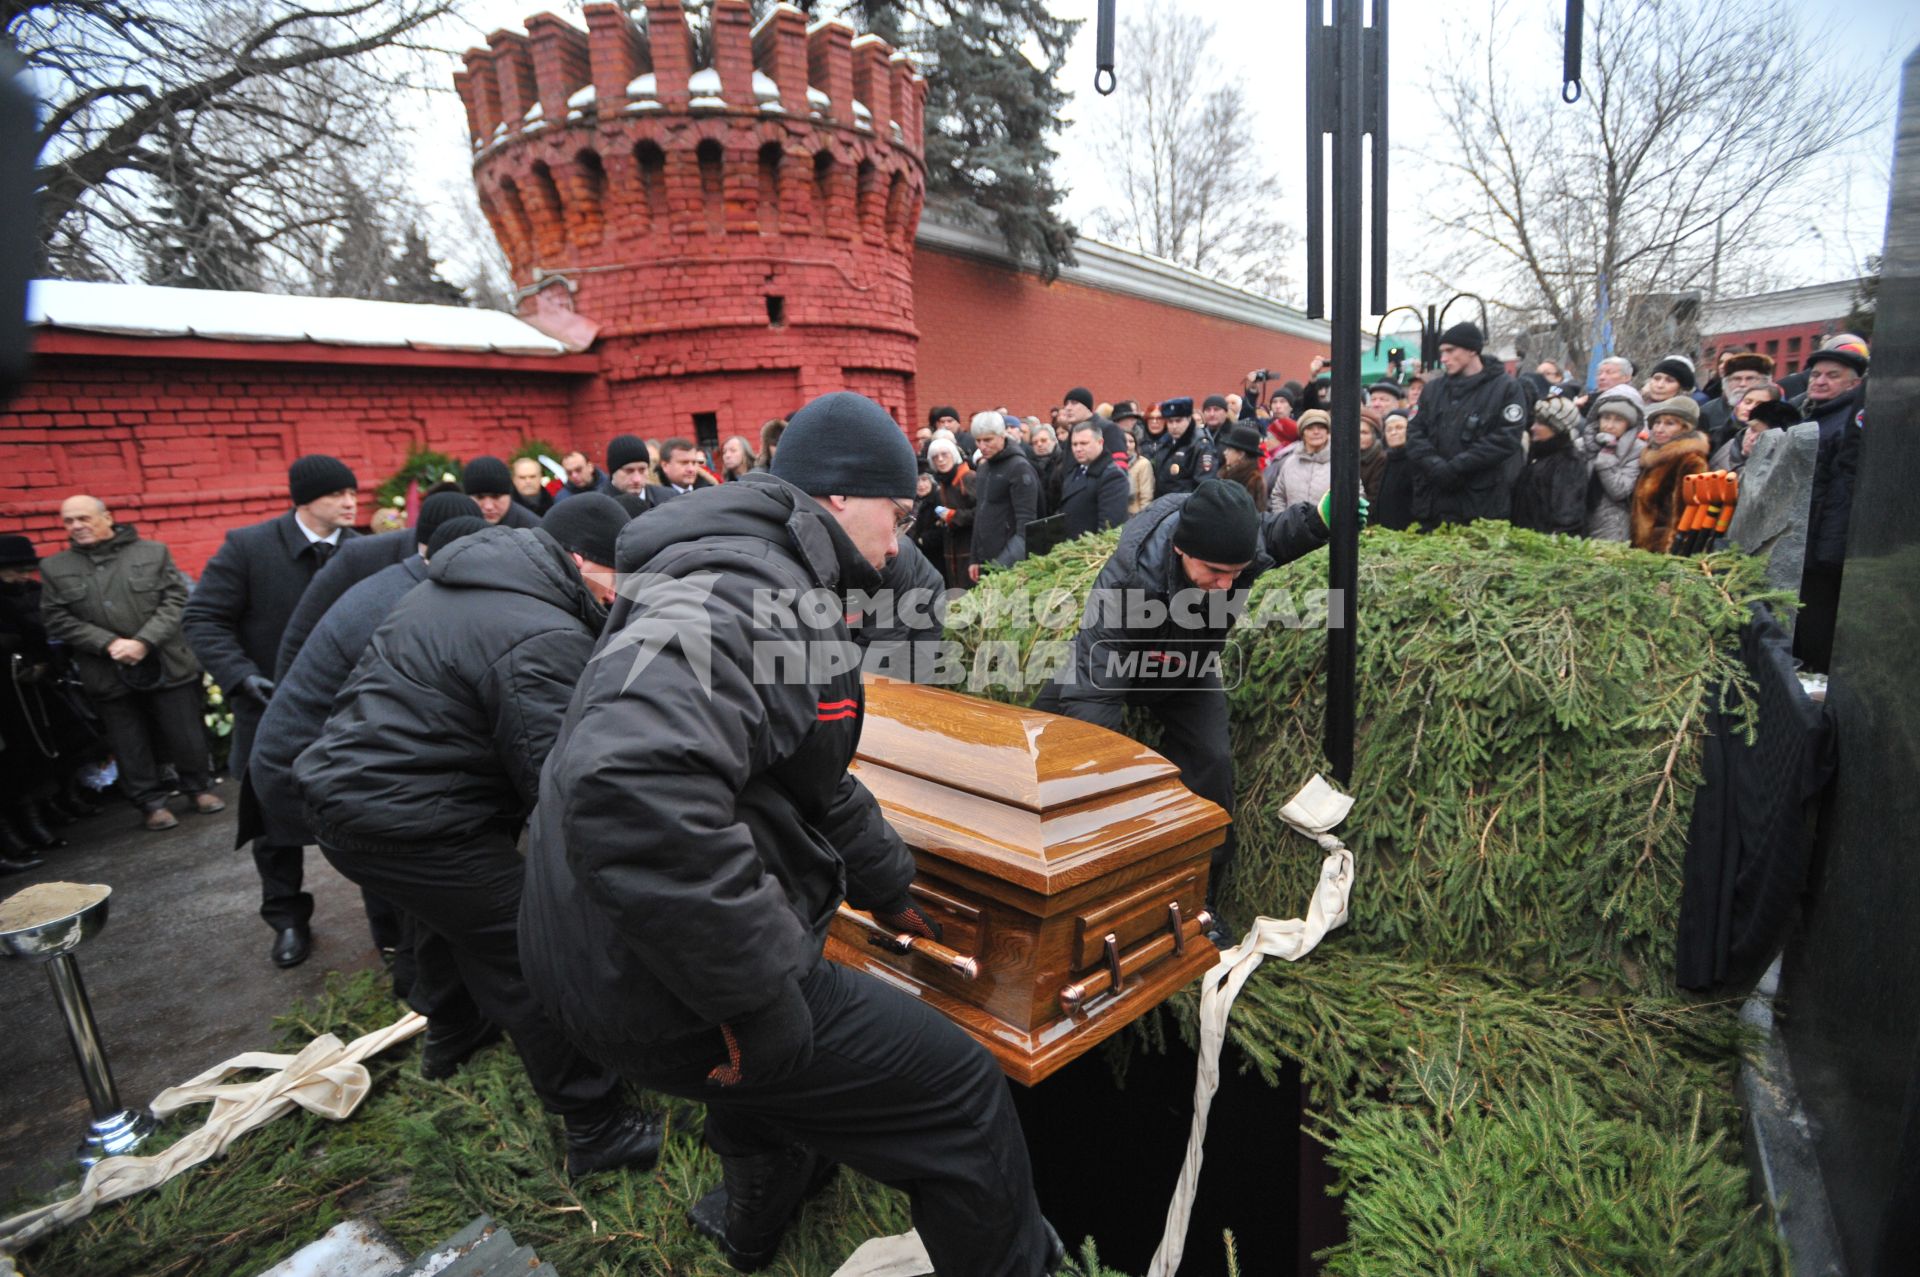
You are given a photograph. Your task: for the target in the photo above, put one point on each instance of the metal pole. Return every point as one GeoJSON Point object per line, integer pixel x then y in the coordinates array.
{"type": "Point", "coordinates": [88, 1051]}
{"type": "Point", "coordinates": [1343, 551]}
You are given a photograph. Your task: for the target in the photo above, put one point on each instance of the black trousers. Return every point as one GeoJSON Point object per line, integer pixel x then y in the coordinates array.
{"type": "Point", "coordinates": [897, 1092]}
{"type": "Point", "coordinates": [146, 728]}
{"type": "Point", "coordinates": [468, 895]}
{"type": "Point", "coordinates": [282, 869]}
{"type": "Point", "coordinates": [1193, 723]}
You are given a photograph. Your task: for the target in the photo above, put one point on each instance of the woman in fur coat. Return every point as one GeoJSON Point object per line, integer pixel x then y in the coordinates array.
{"type": "Point", "coordinates": [1676, 448]}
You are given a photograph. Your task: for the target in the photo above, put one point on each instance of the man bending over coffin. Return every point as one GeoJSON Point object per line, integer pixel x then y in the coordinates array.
{"type": "Point", "coordinates": [1151, 635]}
{"type": "Point", "coordinates": [419, 782]}
{"type": "Point", "coordinates": [695, 832]}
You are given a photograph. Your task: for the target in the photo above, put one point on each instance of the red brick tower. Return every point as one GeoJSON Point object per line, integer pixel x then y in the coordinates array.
{"type": "Point", "coordinates": [741, 233]}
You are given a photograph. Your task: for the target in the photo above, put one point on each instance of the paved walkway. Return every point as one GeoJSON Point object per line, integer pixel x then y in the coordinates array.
{"type": "Point", "coordinates": [179, 980]}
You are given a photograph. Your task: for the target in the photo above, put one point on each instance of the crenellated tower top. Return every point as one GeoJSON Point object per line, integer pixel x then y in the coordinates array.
{"type": "Point", "coordinates": [753, 214]}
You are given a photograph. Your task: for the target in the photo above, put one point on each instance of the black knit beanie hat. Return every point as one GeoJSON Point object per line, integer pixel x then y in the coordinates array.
{"type": "Point", "coordinates": [1465, 335]}
{"type": "Point", "coordinates": [624, 450]}
{"type": "Point", "coordinates": [486, 477]}
{"type": "Point", "coordinates": [1219, 524]}
{"type": "Point", "coordinates": [1080, 395]}
{"type": "Point", "coordinates": [437, 509]}
{"type": "Point", "coordinates": [1214, 401]}
{"type": "Point", "coordinates": [843, 444]}
{"type": "Point", "coordinates": [1677, 367]}
{"type": "Point", "coordinates": [587, 524]}
{"type": "Point", "coordinates": [453, 529]}
{"type": "Point", "coordinates": [314, 476]}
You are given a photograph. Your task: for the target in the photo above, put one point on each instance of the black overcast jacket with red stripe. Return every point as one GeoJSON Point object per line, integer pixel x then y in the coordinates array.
{"type": "Point", "coordinates": [697, 826]}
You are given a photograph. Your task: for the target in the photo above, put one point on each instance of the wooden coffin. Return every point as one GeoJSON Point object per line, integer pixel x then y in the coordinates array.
{"type": "Point", "coordinates": [1060, 858]}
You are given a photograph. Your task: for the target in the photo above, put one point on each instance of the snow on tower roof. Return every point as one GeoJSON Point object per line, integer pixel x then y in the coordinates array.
{"type": "Point", "coordinates": [147, 310]}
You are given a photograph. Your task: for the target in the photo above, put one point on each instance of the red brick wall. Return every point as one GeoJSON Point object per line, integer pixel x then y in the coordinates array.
{"type": "Point", "coordinates": [1789, 345]}
{"type": "Point", "coordinates": [187, 449]}
{"type": "Point", "coordinates": [991, 336]}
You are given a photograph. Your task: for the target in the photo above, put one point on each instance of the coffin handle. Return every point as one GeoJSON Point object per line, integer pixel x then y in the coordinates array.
{"type": "Point", "coordinates": [905, 942]}
{"type": "Point", "coordinates": [1112, 976]}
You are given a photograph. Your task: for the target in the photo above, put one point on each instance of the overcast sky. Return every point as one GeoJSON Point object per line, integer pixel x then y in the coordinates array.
{"type": "Point", "coordinates": [1259, 41]}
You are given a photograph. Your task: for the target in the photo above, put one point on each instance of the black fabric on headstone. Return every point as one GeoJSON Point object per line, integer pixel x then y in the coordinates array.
{"type": "Point", "coordinates": [1751, 839]}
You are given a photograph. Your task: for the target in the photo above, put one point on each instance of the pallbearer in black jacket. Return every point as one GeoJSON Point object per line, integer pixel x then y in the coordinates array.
{"type": "Point", "coordinates": [1157, 620]}
{"type": "Point", "coordinates": [696, 830]}
{"type": "Point", "coordinates": [419, 783]}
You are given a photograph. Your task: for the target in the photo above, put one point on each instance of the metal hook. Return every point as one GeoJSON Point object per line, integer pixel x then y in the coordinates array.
{"type": "Point", "coordinates": [1103, 79]}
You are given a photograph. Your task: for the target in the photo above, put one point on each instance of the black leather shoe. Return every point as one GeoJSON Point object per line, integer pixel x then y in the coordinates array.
{"type": "Point", "coordinates": [33, 830]}
{"type": "Point", "coordinates": [447, 1046]}
{"type": "Point", "coordinates": [622, 1138]}
{"type": "Point", "coordinates": [76, 804]}
{"type": "Point", "coordinates": [19, 862]}
{"type": "Point", "coordinates": [291, 945]}
{"type": "Point", "coordinates": [749, 1213]}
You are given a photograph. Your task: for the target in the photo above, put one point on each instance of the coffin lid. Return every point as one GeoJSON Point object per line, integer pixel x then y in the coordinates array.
{"type": "Point", "coordinates": [1026, 797]}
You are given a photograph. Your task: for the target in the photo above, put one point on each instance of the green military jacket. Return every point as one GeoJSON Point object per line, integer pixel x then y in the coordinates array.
{"type": "Point", "coordinates": [121, 588]}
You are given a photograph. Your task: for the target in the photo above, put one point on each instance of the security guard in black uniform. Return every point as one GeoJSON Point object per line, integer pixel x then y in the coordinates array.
{"type": "Point", "coordinates": [1158, 617]}
{"type": "Point", "coordinates": [1187, 455]}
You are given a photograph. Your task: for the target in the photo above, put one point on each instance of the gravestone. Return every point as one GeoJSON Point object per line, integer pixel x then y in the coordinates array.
{"type": "Point", "coordinates": [1850, 982]}
{"type": "Point", "coordinates": [1775, 490]}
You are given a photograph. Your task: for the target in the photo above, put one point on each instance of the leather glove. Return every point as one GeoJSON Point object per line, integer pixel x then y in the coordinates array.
{"type": "Point", "coordinates": [1326, 510]}
{"type": "Point", "coordinates": [258, 686]}
{"type": "Point", "coordinates": [904, 916]}
{"type": "Point", "coordinates": [769, 1044]}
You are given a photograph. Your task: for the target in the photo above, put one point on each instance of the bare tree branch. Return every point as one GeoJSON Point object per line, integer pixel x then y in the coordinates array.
{"type": "Point", "coordinates": [1192, 186]}
{"type": "Point", "coordinates": [1678, 171]}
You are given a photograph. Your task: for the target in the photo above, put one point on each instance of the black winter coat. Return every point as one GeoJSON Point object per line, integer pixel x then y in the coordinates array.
{"type": "Point", "coordinates": [1465, 447]}
{"type": "Point", "coordinates": [697, 827]}
{"type": "Point", "coordinates": [1393, 507]}
{"type": "Point", "coordinates": [900, 633]}
{"type": "Point", "coordinates": [238, 613]}
{"type": "Point", "coordinates": [1052, 470]}
{"type": "Point", "coordinates": [307, 687]}
{"type": "Point", "coordinates": [1145, 569]}
{"type": "Point", "coordinates": [352, 563]}
{"type": "Point", "coordinates": [1006, 498]}
{"type": "Point", "coordinates": [442, 729]}
{"type": "Point", "coordinates": [1094, 497]}
{"type": "Point", "coordinates": [1835, 467]}
{"type": "Point", "coordinates": [1551, 493]}
{"type": "Point", "coordinates": [518, 516]}
{"type": "Point", "coordinates": [1182, 463]}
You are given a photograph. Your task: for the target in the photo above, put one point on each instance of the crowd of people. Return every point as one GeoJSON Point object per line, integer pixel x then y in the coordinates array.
{"type": "Point", "coordinates": [1471, 439]}
{"type": "Point", "coordinates": [427, 706]}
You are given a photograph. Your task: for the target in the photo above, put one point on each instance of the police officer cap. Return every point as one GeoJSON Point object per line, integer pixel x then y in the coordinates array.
{"type": "Point", "coordinates": [1181, 407]}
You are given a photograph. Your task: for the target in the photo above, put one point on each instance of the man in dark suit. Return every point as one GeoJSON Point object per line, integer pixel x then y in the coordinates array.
{"type": "Point", "coordinates": [358, 559]}
{"type": "Point", "coordinates": [234, 621]}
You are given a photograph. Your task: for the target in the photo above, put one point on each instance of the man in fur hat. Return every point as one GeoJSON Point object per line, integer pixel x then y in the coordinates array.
{"type": "Point", "coordinates": [1740, 371]}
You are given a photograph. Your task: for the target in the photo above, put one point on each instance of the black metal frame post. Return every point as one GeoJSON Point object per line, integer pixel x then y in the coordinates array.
{"type": "Point", "coordinates": [1347, 98]}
